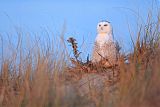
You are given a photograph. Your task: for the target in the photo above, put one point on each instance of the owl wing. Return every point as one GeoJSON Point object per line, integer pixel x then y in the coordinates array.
{"type": "Point", "coordinates": [110, 52]}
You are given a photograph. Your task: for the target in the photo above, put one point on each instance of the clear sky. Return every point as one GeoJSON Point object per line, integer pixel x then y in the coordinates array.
{"type": "Point", "coordinates": [79, 16]}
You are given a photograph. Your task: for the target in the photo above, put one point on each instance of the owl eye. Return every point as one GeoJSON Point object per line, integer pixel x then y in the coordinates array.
{"type": "Point", "coordinates": [105, 25]}
{"type": "Point", "coordinates": [99, 25]}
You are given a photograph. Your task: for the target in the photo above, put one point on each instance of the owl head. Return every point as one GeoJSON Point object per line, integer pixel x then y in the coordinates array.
{"type": "Point", "coordinates": [104, 27]}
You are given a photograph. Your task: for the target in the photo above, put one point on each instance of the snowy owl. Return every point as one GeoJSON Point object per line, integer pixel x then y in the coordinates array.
{"type": "Point", "coordinates": [104, 47]}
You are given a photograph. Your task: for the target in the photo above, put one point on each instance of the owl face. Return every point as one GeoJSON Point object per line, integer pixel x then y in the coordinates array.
{"type": "Point", "coordinates": [104, 27]}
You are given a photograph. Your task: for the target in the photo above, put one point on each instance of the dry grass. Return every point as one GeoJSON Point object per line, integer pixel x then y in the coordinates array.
{"type": "Point", "coordinates": [44, 77]}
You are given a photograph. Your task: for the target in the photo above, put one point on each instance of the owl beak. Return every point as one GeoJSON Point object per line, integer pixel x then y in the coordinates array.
{"type": "Point", "coordinates": [101, 28]}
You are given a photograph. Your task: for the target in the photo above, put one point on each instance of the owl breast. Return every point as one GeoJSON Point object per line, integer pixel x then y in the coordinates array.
{"type": "Point", "coordinates": [102, 39]}
{"type": "Point", "coordinates": [104, 48]}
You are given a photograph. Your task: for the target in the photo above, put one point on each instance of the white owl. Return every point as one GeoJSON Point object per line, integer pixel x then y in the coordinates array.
{"type": "Point", "coordinates": [104, 46]}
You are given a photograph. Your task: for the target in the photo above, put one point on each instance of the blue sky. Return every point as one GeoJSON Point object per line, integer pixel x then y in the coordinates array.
{"type": "Point", "coordinates": [80, 17]}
